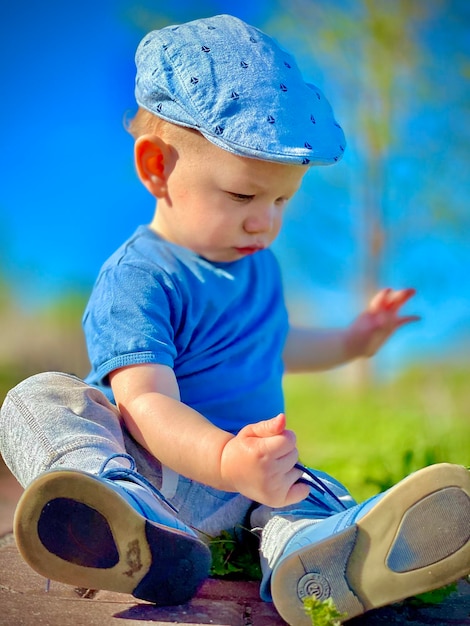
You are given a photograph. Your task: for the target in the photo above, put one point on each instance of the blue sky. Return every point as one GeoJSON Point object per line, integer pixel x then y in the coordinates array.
{"type": "Point", "coordinates": [69, 196]}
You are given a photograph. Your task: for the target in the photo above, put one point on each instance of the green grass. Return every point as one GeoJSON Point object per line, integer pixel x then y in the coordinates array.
{"type": "Point", "coordinates": [371, 438]}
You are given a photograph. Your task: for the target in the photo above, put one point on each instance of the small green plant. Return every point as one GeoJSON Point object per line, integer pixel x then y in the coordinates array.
{"type": "Point", "coordinates": [235, 555]}
{"type": "Point", "coordinates": [432, 597]}
{"type": "Point", "coordinates": [323, 612]}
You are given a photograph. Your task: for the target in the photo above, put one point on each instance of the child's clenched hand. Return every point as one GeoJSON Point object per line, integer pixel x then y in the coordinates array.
{"type": "Point", "coordinates": [259, 463]}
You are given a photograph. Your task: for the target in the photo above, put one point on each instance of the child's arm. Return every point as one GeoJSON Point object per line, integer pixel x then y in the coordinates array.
{"type": "Point", "coordinates": [258, 462]}
{"type": "Point", "coordinates": [313, 349]}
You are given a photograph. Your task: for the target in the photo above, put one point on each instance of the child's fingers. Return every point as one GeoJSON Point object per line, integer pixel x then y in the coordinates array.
{"type": "Point", "coordinates": [407, 319]}
{"type": "Point", "coordinates": [283, 483]}
{"type": "Point", "coordinates": [269, 439]}
{"type": "Point", "coordinates": [396, 299]}
{"type": "Point", "coordinates": [285, 463]}
{"type": "Point", "coordinates": [390, 300]}
{"type": "Point", "coordinates": [296, 492]}
{"type": "Point", "coordinates": [379, 301]}
{"type": "Point", "coordinates": [266, 428]}
{"type": "Point", "coordinates": [279, 447]}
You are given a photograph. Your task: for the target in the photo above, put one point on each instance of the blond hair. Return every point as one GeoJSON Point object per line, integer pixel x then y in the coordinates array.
{"type": "Point", "coordinates": [146, 123]}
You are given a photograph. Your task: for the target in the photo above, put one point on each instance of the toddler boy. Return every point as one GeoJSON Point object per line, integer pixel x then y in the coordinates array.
{"type": "Point", "coordinates": [178, 432]}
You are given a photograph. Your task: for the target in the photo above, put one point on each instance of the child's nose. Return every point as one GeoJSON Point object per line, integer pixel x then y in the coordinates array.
{"type": "Point", "coordinates": [261, 221]}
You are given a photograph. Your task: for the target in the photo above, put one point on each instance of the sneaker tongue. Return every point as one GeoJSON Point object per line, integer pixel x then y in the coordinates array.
{"type": "Point", "coordinates": [277, 533]}
{"type": "Point", "coordinates": [137, 496]}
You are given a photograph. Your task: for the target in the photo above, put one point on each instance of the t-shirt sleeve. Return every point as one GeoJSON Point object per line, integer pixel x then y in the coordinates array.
{"type": "Point", "coordinates": [130, 320]}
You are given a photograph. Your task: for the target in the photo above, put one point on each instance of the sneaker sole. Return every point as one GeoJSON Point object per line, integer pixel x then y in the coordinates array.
{"type": "Point", "coordinates": [123, 551]}
{"type": "Point", "coordinates": [414, 540]}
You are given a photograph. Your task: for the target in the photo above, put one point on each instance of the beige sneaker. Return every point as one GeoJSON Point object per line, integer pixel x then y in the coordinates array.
{"type": "Point", "coordinates": [408, 540]}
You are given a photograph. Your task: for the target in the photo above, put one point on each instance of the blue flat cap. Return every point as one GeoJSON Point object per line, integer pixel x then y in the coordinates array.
{"type": "Point", "coordinates": [238, 88]}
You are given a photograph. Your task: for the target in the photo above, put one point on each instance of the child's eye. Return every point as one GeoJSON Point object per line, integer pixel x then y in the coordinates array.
{"type": "Point", "coordinates": [241, 197]}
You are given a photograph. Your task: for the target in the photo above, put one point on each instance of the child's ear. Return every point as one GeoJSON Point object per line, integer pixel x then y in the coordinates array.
{"type": "Point", "coordinates": [152, 163]}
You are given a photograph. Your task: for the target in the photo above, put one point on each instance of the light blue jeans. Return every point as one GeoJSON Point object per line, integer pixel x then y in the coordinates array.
{"type": "Point", "coordinates": [55, 420]}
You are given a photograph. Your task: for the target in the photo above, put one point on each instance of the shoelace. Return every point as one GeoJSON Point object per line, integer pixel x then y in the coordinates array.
{"type": "Point", "coordinates": [124, 473]}
{"type": "Point", "coordinates": [318, 485]}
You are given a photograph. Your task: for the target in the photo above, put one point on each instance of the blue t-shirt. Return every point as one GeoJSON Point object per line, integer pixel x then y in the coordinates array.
{"type": "Point", "coordinates": [220, 326]}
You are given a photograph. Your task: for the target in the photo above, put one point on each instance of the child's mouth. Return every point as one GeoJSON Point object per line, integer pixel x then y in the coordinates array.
{"type": "Point", "coordinates": [249, 250]}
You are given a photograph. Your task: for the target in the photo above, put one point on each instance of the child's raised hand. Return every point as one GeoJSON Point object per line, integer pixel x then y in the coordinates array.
{"type": "Point", "coordinates": [259, 463]}
{"type": "Point", "coordinates": [378, 322]}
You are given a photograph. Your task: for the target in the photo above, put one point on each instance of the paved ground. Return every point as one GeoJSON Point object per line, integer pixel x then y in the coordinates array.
{"type": "Point", "coordinates": [24, 600]}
